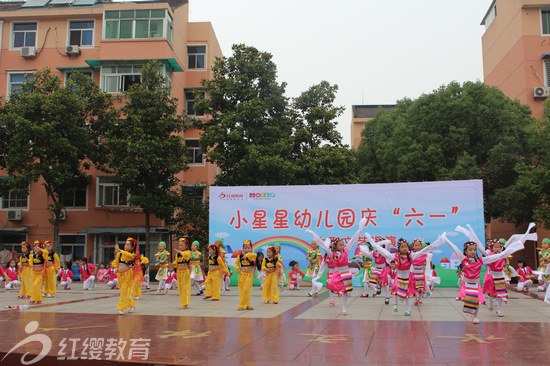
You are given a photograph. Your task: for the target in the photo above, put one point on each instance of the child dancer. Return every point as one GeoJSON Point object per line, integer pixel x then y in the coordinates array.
{"type": "Point", "coordinates": [38, 259]}
{"type": "Point", "coordinates": [197, 278]}
{"type": "Point", "coordinates": [52, 267]}
{"type": "Point", "coordinates": [25, 269]}
{"type": "Point", "coordinates": [87, 274]}
{"type": "Point", "coordinates": [418, 271]}
{"type": "Point", "coordinates": [125, 261]}
{"type": "Point", "coordinates": [403, 288]}
{"type": "Point", "coordinates": [295, 276]}
{"type": "Point", "coordinates": [113, 280]}
{"type": "Point", "coordinates": [12, 275]}
{"type": "Point", "coordinates": [244, 265]}
{"type": "Point", "coordinates": [544, 261]}
{"type": "Point", "coordinates": [183, 255]}
{"type": "Point", "coordinates": [66, 276]}
{"type": "Point", "coordinates": [379, 278]}
{"type": "Point", "coordinates": [525, 273]}
{"type": "Point", "coordinates": [136, 286]}
{"type": "Point", "coordinates": [494, 283]}
{"type": "Point", "coordinates": [314, 258]}
{"type": "Point", "coordinates": [471, 270]}
{"type": "Point", "coordinates": [163, 258]}
{"type": "Point", "coordinates": [216, 269]}
{"type": "Point", "coordinates": [341, 279]}
{"type": "Point", "coordinates": [271, 265]}
{"type": "Point", "coordinates": [261, 274]}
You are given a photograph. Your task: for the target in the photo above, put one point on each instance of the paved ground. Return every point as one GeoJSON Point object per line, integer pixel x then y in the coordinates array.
{"type": "Point", "coordinates": [84, 328]}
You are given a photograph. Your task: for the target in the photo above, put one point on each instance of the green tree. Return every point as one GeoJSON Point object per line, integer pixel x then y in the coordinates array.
{"type": "Point", "coordinates": [256, 136]}
{"type": "Point", "coordinates": [468, 131]}
{"type": "Point", "coordinates": [146, 149]}
{"type": "Point", "coordinates": [51, 133]}
{"type": "Point", "coordinates": [528, 197]}
{"type": "Point", "coordinates": [192, 220]}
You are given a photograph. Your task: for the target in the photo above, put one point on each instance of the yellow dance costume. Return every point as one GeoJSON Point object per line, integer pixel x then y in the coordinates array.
{"type": "Point", "coordinates": [544, 260]}
{"type": "Point", "coordinates": [183, 276]}
{"type": "Point", "coordinates": [124, 262]}
{"type": "Point", "coordinates": [245, 266]}
{"type": "Point", "coordinates": [52, 267]}
{"type": "Point", "coordinates": [314, 258]}
{"type": "Point", "coordinates": [136, 287]}
{"type": "Point", "coordinates": [38, 273]}
{"type": "Point", "coordinates": [216, 269]}
{"type": "Point", "coordinates": [26, 276]}
{"type": "Point", "coordinates": [270, 290]}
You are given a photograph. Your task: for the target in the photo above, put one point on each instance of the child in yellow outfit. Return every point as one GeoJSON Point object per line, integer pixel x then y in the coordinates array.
{"type": "Point", "coordinates": [25, 271]}
{"type": "Point", "coordinates": [272, 267]}
{"type": "Point", "coordinates": [245, 265]}
{"type": "Point", "coordinates": [38, 261]}
{"type": "Point", "coordinates": [197, 278]}
{"type": "Point", "coordinates": [136, 287]}
{"type": "Point", "coordinates": [52, 267]}
{"type": "Point", "coordinates": [181, 263]}
{"type": "Point", "coordinates": [216, 269]}
{"type": "Point", "coordinates": [124, 262]}
{"type": "Point", "coordinates": [163, 258]}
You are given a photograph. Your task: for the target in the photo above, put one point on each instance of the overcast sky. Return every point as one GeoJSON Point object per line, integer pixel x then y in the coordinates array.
{"type": "Point", "coordinates": [376, 51]}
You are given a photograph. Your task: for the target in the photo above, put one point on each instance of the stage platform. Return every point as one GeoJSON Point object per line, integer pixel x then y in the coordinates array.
{"type": "Point", "coordinates": [83, 328]}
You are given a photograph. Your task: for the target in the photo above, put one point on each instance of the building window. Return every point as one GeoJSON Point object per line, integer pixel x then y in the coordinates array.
{"type": "Point", "coordinates": [76, 198]}
{"type": "Point", "coordinates": [12, 242]}
{"type": "Point", "coordinates": [545, 18]}
{"type": "Point", "coordinates": [491, 15]}
{"type": "Point", "coordinates": [547, 72]}
{"type": "Point", "coordinates": [117, 79]}
{"type": "Point", "coordinates": [109, 192]}
{"type": "Point", "coordinates": [194, 152]}
{"type": "Point", "coordinates": [194, 192]}
{"type": "Point", "coordinates": [127, 24]}
{"type": "Point", "coordinates": [15, 82]}
{"type": "Point", "coordinates": [81, 33]}
{"type": "Point", "coordinates": [24, 35]}
{"type": "Point", "coordinates": [72, 247]}
{"type": "Point", "coordinates": [196, 56]}
{"type": "Point", "coordinates": [14, 200]}
{"type": "Point", "coordinates": [190, 102]}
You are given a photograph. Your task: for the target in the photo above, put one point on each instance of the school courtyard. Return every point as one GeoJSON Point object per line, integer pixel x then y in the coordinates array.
{"type": "Point", "coordinates": [82, 328]}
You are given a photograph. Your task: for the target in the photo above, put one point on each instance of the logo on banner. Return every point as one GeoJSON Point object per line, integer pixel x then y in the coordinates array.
{"type": "Point", "coordinates": [261, 195]}
{"type": "Point", "coordinates": [231, 196]}
{"type": "Point", "coordinates": [46, 342]}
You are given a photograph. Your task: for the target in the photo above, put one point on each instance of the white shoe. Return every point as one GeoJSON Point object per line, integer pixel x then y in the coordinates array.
{"type": "Point", "coordinates": [132, 309]}
{"type": "Point", "coordinates": [499, 313]}
{"type": "Point", "coordinates": [120, 312]}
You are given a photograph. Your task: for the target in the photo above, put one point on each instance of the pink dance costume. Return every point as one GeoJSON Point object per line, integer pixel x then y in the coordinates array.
{"type": "Point", "coordinates": [340, 280]}
{"type": "Point", "coordinates": [403, 287]}
{"type": "Point", "coordinates": [471, 271]}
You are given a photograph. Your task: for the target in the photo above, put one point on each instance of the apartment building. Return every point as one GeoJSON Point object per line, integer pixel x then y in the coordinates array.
{"type": "Point", "coordinates": [361, 115]}
{"type": "Point", "coordinates": [516, 59]}
{"type": "Point", "coordinates": [110, 41]}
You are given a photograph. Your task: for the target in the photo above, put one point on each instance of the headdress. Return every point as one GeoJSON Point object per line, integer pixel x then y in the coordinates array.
{"type": "Point", "coordinates": [546, 240]}
{"type": "Point", "coordinates": [247, 242]}
{"type": "Point", "coordinates": [184, 240]}
{"type": "Point", "coordinates": [132, 240]}
{"type": "Point", "coordinates": [492, 242]}
{"type": "Point", "coordinates": [39, 243]}
{"type": "Point", "coordinates": [162, 243]}
{"type": "Point", "coordinates": [468, 244]}
{"type": "Point", "coordinates": [47, 242]}
{"type": "Point", "coordinates": [195, 242]}
{"type": "Point", "coordinates": [502, 241]}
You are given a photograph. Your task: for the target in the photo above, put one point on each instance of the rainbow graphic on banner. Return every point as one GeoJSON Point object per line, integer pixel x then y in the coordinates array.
{"type": "Point", "coordinates": [283, 241]}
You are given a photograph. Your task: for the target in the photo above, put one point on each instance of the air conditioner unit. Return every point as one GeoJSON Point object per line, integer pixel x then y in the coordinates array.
{"type": "Point", "coordinates": [541, 92]}
{"type": "Point", "coordinates": [28, 51]}
{"type": "Point", "coordinates": [73, 50]}
{"type": "Point", "coordinates": [15, 215]}
{"type": "Point", "coordinates": [63, 215]}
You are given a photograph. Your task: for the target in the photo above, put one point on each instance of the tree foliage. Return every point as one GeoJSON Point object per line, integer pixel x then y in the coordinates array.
{"type": "Point", "coordinates": [50, 132]}
{"type": "Point", "coordinates": [147, 151]}
{"type": "Point", "coordinates": [468, 131]}
{"type": "Point", "coordinates": [257, 136]}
